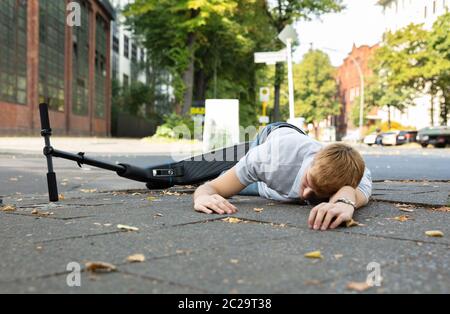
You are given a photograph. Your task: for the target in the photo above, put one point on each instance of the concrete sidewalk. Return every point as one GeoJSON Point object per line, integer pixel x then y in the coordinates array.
{"type": "Point", "coordinates": [261, 252]}
{"type": "Point", "coordinates": [34, 145]}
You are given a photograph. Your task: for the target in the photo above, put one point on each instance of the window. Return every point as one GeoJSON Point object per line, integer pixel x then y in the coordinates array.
{"type": "Point", "coordinates": [80, 64]}
{"type": "Point", "coordinates": [13, 53]}
{"type": "Point", "coordinates": [52, 17]}
{"type": "Point", "coordinates": [126, 47]}
{"type": "Point", "coordinates": [434, 7]}
{"type": "Point", "coordinates": [425, 12]}
{"type": "Point", "coordinates": [133, 53]}
{"type": "Point", "coordinates": [116, 44]}
{"type": "Point", "coordinates": [100, 67]}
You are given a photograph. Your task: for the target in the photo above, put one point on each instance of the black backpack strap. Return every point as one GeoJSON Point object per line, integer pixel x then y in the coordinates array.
{"type": "Point", "coordinates": [262, 136]}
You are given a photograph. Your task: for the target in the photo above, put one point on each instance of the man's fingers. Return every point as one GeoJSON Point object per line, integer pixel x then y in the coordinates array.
{"type": "Point", "coordinates": [319, 217]}
{"type": "Point", "coordinates": [312, 215]}
{"type": "Point", "coordinates": [215, 208]}
{"type": "Point", "coordinates": [226, 202]}
{"type": "Point", "coordinates": [225, 208]}
{"type": "Point", "coordinates": [340, 219]}
{"type": "Point", "coordinates": [202, 209]}
{"type": "Point", "coordinates": [330, 215]}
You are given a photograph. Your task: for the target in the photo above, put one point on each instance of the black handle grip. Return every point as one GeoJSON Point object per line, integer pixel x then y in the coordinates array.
{"type": "Point", "coordinates": [45, 121]}
{"type": "Point", "coordinates": [52, 187]}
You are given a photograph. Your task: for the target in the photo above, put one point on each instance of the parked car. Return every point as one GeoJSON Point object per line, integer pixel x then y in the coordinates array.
{"type": "Point", "coordinates": [370, 139]}
{"type": "Point", "coordinates": [406, 137]}
{"type": "Point", "coordinates": [373, 139]}
{"type": "Point", "coordinates": [436, 136]}
{"type": "Point", "coordinates": [389, 138]}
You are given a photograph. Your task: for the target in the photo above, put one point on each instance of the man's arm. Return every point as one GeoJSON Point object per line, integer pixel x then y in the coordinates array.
{"type": "Point", "coordinates": [210, 197]}
{"type": "Point", "coordinates": [321, 217]}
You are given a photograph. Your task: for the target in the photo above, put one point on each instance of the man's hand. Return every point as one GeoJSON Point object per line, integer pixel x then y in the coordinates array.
{"type": "Point", "coordinates": [321, 217]}
{"type": "Point", "coordinates": [214, 204]}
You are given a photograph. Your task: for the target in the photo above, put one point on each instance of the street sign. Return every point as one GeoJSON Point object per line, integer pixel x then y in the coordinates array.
{"type": "Point", "coordinates": [264, 94]}
{"type": "Point", "coordinates": [271, 57]}
{"type": "Point", "coordinates": [221, 124]}
{"type": "Point", "coordinates": [263, 119]}
{"type": "Point", "coordinates": [287, 34]}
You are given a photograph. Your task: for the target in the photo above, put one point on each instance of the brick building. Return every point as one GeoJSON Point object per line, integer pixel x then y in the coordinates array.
{"type": "Point", "coordinates": [349, 85]}
{"type": "Point", "coordinates": [42, 58]}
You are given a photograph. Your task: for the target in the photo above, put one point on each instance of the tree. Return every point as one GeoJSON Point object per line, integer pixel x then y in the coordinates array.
{"type": "Point", "coordinates": [414, 61]}
{"type": "Point", "coordinates": [398, 67]}
{"type": "Point", "coordinates": [284, 12]}
{"type": "Point", "coordinates": [316, 88]}
{"type": "Point", "coordinates": [437, 72]}
{"type": "Point", "coordinates": [171, 31]}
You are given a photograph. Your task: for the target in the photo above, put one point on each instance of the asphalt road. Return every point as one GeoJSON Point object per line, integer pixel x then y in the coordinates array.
{"type": "Point", "coordinates": [26, 173]}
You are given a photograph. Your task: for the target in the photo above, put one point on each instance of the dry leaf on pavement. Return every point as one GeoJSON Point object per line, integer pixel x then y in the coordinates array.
{"type": "Point", "coordinates": [358, 286]}
{"type": "Point", "coordinates": [258, 210]}
{"type": "Point", "coordinates": [434, 233]}
{"type": "Point", "coordinates": [101, 267]}
{"type": "Point", "coordinates": [41, 214]}
{"type": "Point", "coordinates": [88, 190]}
{"type": "Point", "coordinates": [61, 197]}
{"type": "Point", "coordinates": [127, 228]}
{"type": "Point", "coordinates": [232, 220]}
{"type": "Point", "coordinates": [8, 208]}
{"type": "Point", "coordinates": [444, 209]}
{"type": "Point", "coordinates": [314, 254]}
{"type": "Point", "coordinates": [405, 207]}
{"type": "Point", "coordinates": [402, 218]}
{"type": "Point", "coordinates": [136, 258]}
{"type": "Point", "coordinates": [353, 223]}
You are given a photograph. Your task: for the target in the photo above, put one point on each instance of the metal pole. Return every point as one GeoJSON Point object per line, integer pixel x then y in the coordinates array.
{"type": "Point", "coordinates": [290, 79]}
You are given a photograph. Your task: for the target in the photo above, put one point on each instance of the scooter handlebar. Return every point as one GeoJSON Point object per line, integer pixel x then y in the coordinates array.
{"type": "Point", "coordinates": [45, 121]}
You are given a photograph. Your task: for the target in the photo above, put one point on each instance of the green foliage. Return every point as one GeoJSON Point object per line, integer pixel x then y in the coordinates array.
{"type": "Point", "coordinates": [315, 87]}
{"type": "Point", "coordinates": [171, 123]}
{"type": "Point", "coordinates": [413, 61]}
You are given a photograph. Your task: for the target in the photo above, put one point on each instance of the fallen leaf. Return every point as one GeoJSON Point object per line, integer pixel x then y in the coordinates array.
{"type": "Point", "coordinates": [136, 258]}
{"type": "Point", "coordinates": [353, 223]}
{"type": "Point", "coordinates": [8, 208]}
{"type": "Point", "coordinates": [405, 207]}
{"type": "Point", "coordinates": [402, 218]}
{"type": "Point", "coordinates": [258, 210]}
{"type": "Point", "coordinates": [441, 209]}
{"type": "Point", "coordinates": [234, 261]}
{"type": "Point", "coordinates": [358, 286]}
{"type": "Point", "coordinates": [88, 190]}
{"type": "Point", "coordinates": [158, 215]}
{"type": "Point", "coordinates": [101, 267]}
{"type": "Point", "coordinates": [338, 256]}
{"type": "Point", "coordinates": [434, 233]}
{"type": "Point", "coordinates": [61, 197]}
{"type": "Point", "coordinates": [151, 198]}
{"type": "Point", "coordinates": [232, 220]}
{"type": "Point", "coordinates": [41, 214]}
{"type": "Point", "coordinates": [127, 228]}
{"type": "Point", "coordinates": [13, 179]}
{"type": "Point", "coordinates": [312, 282]}
{"type": "Point", "coordinates": [314, 254]}
{"type": "Point", "coordinates": [136, 193]}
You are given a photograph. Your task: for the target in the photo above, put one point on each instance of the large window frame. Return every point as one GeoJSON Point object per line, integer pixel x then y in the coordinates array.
{"type": "Point", "coordinates": [13, 55]}
{"type": "Point", "coordinates": [80, 62]}
{"type": "Point", "coordinates": [52, 27]}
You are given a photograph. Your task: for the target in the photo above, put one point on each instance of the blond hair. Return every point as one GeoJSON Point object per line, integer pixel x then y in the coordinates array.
{"type": "Point", "coordinates": [335, 166]}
